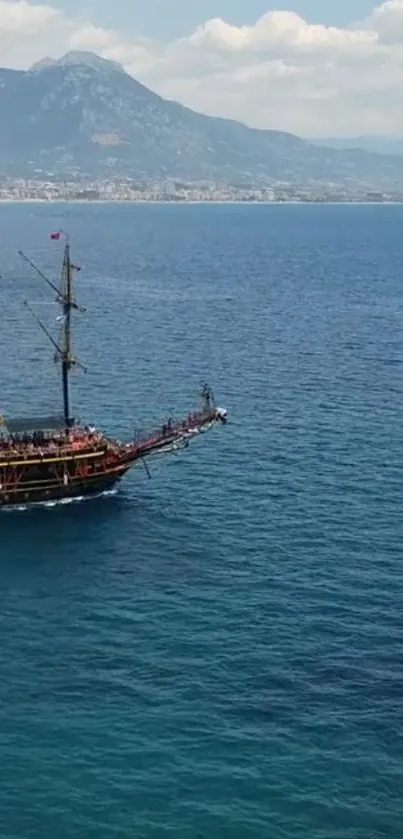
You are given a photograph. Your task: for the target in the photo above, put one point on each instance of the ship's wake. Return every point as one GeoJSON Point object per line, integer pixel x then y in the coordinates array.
{"type": "Point", "coordinates": [52, 505]}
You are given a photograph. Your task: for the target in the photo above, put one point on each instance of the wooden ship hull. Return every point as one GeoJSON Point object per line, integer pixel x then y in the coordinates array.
{"type": "Point", "coordinates": [50, 491]}
{"type": "Point", "coordinates": [41, 478]}
{"type": "Point", "coordinates": [52, 458]}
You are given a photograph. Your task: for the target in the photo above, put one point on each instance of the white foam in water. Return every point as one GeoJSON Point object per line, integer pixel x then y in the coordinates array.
{"type": "Point", "coordinates": [62, 502]}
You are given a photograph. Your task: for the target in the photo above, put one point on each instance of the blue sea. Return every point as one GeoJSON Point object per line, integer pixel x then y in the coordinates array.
{"type": "Point", "coordinates": [217, 652]}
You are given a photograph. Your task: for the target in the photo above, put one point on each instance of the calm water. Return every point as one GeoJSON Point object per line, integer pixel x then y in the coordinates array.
{"type": "Point", "coordinates": [216, 653]}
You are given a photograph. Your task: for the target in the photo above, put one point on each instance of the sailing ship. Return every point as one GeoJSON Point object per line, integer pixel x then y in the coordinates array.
{"type": "Point", "coordinates": [52, 458]}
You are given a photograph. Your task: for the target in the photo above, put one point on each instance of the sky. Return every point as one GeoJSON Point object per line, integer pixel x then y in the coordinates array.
{"type": "Point", "coordinates": [313, 67]}
{"type": "Point", "coordinates": [165, 19]}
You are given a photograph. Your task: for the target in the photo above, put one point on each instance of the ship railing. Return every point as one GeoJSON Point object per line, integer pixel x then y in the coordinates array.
{"type": "Point", "coordinates": [50, 451]}
{"type": "Point", "coordinates": [174, 429]}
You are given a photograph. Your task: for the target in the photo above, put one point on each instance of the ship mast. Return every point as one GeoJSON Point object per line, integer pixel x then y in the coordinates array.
{"type": "Point", "coordinates": [67, 303]}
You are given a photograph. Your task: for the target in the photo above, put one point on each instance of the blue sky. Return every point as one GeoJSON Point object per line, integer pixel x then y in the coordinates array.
{"type": "Point", "coordinates": [170, 18]}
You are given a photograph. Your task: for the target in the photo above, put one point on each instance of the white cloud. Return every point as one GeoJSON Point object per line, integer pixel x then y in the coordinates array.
{"type": "Point", "coordinates": [136, 56]}
{"type": "Point", "coordinates": [281, 72]}
{"type": "Point", "coordinates": [284, 29]}
{"type": "Point", "coordinates": [23, 17]}
{"type": "Point", "coordinates": [387, 22]}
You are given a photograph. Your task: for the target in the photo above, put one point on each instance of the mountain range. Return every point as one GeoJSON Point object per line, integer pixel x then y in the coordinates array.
{"type": "Point", "coordinates": [83, 115]}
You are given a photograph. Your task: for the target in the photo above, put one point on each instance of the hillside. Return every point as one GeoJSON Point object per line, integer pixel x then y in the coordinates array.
{"type": "Point", "coordinates": [84, 115]}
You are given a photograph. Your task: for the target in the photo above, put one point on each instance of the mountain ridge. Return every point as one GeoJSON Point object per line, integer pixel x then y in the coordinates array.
{"type": "Point", "coordinates": [377, 143]}
{"type": "Point", "coordinates": [82, 115]}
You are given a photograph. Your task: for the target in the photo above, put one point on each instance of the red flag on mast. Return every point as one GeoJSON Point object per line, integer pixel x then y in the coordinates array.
{"type": "Point", "coordinates": [55, 236]}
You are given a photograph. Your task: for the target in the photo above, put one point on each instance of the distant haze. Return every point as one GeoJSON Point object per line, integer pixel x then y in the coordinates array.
{"type": "Point", "coordinates": [380, 144]}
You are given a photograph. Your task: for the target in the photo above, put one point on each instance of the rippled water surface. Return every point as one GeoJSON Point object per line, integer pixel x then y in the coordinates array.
{"type": "Point", "coordinates": [216, 653]}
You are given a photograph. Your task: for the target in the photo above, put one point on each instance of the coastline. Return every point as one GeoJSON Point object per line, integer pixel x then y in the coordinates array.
{"type": "Point", "coordinates": [193, 202]}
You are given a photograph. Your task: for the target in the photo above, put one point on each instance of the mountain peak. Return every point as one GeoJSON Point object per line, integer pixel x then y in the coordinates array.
{"type": "Point", "coordinates": [43, 64]}
{"type": "Point", "coordinates": [79, 58]}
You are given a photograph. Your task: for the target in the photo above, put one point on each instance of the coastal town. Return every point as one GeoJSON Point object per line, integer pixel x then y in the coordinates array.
{"type": "Point", "coordinates": [129, 190]}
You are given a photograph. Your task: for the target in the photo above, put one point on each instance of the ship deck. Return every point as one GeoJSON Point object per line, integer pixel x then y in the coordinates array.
{"type": "Point", "coordinates": [81, 444]}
